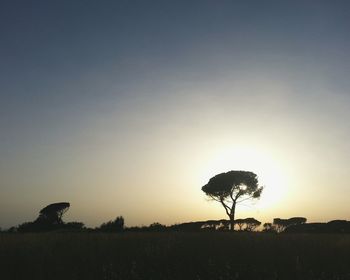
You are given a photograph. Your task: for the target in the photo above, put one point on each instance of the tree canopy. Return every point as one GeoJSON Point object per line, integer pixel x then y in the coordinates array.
{"type": "Point", "coordinates": [53, 213]}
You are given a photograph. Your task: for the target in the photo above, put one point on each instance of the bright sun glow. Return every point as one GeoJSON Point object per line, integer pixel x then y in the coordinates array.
{"type": "Point", "coordinates": [270, 171]}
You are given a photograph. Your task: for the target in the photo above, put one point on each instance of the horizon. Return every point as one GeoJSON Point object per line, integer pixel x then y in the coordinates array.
{"type": "Point", "coordinates": [128, 109]}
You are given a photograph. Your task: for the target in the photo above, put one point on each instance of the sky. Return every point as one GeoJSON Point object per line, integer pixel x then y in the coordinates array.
{"type": "Point", "coordinates": [130, 107]}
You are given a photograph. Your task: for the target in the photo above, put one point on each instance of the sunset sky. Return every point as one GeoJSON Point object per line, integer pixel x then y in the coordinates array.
{"type": "Point", "coordinates": [130, 107]}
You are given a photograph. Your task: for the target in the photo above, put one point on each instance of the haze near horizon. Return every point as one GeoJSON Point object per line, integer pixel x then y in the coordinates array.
{"type": "Point", "coordinates": [129, 108]}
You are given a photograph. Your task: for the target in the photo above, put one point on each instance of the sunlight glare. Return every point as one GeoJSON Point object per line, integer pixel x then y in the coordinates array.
{"type": "Point", "coordinates": [269, 170]}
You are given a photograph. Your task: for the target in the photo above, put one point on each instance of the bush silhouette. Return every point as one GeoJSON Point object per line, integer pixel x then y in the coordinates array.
{"type": "Point", "coordinates": [117, 225]}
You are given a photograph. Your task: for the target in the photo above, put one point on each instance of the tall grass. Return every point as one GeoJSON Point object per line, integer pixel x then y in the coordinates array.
{"type": "Point", "coordinates": [216, 255]}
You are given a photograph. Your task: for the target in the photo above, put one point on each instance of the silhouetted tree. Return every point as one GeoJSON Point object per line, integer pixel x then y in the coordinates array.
{"type": "Point", "coordinates": [116, 225]}
{"type": "Point", "coordinates": [240, 223]}
{"type": "Point", "coordinates": [157, 227]}
{"type": "Point", "coordinates": [50, 218]}
{"type": "Point", "coordinates": [268, 227]}
{"type": "Point", "coordinates": [296, 221]}
{"type": "Point", "coordinates": [190, 226]}
{"type": "Point", "coordinates": [247, 224]}
{"type": "Point", "coordinates": [335, 226]}
{"type": "Point", "coordinates": [281, 224]}
{"type": "Point", "coordinates": [52, 214]}
{"type": "Point", "coordinates": [307, 228]}
{"type": "Point", "coordinates": [210, 225]}
{"type": "Point", "coordinates": [231, 188]}
{"type": "Point", "coordinates": [223, 225]}
{"type": "Point", "coordinates": [251, 224]}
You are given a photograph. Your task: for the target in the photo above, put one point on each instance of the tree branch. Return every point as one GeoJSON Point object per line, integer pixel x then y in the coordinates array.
{"type": "Point", "coordinates": [239, 193]}
{"type": "Point", "coordinates": [214, 198]}
{"type": "Point", "coordinates": [244, 199]}
{"type": "Point", "coordinates": [227, 208]}
{"type": "Point", "coordinates": [231, 195]}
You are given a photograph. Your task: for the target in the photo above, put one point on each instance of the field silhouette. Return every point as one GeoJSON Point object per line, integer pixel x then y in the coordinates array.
{"type": "Point", "coordinates": [49, 248]}
{"type": "Point", "coordinates": [174, 255]}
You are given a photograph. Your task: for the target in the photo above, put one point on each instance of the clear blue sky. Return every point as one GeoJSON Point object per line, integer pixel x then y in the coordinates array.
{"type": "Point", "coordinates": [129, 107]}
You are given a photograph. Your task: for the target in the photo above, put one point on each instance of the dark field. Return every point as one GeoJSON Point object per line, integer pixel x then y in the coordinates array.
{"type": "Point", "coordinates": [174, 256]}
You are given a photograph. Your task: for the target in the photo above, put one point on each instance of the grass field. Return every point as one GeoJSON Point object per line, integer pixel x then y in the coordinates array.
{"type": "Point", "coordinates": [216, 255]}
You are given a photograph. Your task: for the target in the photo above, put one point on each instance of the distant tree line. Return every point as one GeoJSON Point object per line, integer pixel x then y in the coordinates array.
{"type": "Point", "coordinates": [335, 226]}
{"type": "Point", "coordinates": [280, 225]}
{"type": "Point", "coordinates": [50, 219]}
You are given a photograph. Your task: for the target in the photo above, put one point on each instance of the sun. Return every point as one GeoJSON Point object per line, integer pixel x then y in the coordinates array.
{"type": "Point", "coordinates": [270, 171]}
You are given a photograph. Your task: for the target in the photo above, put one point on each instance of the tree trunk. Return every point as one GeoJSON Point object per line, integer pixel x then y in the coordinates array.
{"type": "Point", "coordinates": [232, 217]}
{"type": "Point", "coordinates": [232, 223]}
